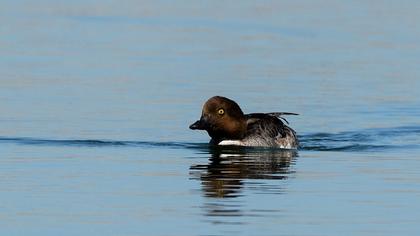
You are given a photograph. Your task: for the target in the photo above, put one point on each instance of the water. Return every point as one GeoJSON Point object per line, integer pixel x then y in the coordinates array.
{"type": "Point", "coordinates": [96, 98]}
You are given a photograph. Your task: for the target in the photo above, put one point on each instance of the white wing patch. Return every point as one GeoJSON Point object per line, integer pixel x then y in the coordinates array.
{"type": "Point", "coordinates": [231, 142]}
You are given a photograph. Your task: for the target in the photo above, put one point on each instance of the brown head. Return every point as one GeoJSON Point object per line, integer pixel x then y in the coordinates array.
{"type": "Point", "coordinates": [222, 118]}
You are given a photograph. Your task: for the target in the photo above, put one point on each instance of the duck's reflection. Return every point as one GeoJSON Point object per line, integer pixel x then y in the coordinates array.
{"type": "Point", "coordinates": [229, 170]}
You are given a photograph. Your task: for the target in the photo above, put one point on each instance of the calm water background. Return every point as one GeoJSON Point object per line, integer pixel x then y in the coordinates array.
{"type": "Point", "coordinates": [96, 98]}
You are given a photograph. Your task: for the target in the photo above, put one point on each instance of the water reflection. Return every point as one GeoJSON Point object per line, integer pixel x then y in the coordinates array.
{"type": "Point", "coordinates": [230, 170]}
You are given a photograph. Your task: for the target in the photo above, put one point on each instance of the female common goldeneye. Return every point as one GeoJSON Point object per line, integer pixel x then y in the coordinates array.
{"type": "Point", "coordinates": [226, 124]}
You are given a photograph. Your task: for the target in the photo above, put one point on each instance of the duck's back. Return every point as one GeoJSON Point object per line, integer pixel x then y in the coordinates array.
{"type": "Point", "coordinates": [267, 130]}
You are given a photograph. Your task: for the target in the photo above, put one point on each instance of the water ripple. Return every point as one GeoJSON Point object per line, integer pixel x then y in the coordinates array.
{"type": "Point", "coordinates": [375, 139]}
{"type": "Point", "coordinates": [91, 142]}
{"type": "Point", "coordinates": [351, 141]}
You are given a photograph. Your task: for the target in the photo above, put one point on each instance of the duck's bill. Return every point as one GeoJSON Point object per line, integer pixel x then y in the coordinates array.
{"type": "Point", "coordinates": [199, 124]}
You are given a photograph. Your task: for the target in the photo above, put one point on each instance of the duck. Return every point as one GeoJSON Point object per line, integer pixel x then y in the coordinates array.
{"type": "Point", "coordinates": [227, 125]}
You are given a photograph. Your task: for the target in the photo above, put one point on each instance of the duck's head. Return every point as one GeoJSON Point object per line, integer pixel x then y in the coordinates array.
{"type": "Point", "coordinates": [222, 118]}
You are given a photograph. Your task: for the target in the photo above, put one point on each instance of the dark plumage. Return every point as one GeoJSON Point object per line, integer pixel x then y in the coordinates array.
{"type": "Point", "coordinates": [226, 124]}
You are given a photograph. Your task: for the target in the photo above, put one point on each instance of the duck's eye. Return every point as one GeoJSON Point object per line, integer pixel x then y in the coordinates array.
{"type": "Point", "coordinates": [220, 111]}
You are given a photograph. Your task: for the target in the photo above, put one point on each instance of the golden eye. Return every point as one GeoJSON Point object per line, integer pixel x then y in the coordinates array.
{"type": "Point", "coordinates": [221, 111]}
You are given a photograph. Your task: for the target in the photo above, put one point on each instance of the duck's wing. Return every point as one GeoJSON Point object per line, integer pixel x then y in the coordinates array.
{"type": "Point", "coordinates": [256, 116]}
{"type": "Point", "coordinates": [270, 128]}
{"type": "Point", "coordinates": [264, 125]}
{"type": "Point", "coordinates": [277, 114]}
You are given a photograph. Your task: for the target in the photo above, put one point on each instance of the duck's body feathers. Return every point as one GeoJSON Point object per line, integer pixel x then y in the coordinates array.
{"type": "Point", "coordinates": [266, 130]}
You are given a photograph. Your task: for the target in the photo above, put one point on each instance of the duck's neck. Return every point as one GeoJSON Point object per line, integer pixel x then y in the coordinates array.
{"type": "Point", "coordinates": [233, 130]}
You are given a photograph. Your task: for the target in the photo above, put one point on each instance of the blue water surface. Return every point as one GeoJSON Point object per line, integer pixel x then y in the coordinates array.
{"type": "Point", "coordinates": [96, 98]}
